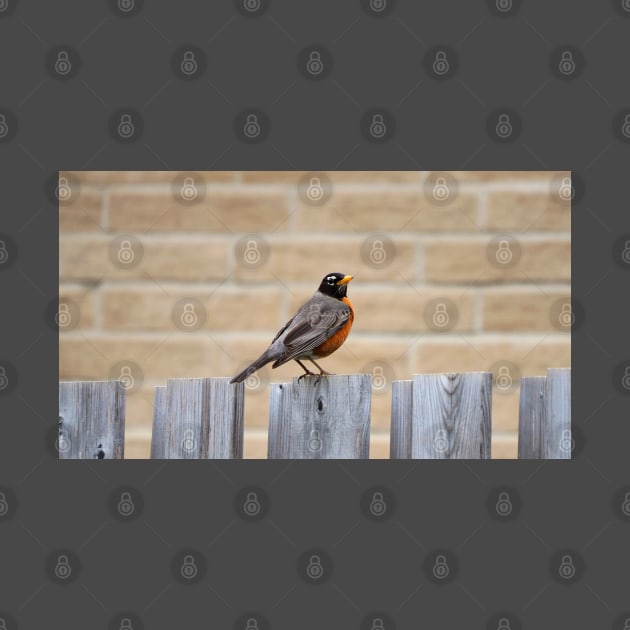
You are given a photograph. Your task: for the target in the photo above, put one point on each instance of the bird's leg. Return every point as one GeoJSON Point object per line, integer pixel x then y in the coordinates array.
{"type": "Point", "coordinates": [307, 372]}
{"type": "Point", "coordinates": [322, 372]}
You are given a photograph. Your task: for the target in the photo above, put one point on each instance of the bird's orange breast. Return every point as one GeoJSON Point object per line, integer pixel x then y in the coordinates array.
{"type": "Point", "coordinates": [330, 345]}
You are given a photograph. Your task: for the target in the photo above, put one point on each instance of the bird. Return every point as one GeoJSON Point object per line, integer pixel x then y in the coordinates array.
{"type": "Point", "coordinates": [317, 329]}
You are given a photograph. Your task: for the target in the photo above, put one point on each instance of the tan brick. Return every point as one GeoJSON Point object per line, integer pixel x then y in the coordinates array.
{"type": "Point", "coordinates": [502, 176]}
{"type": "Point", "coordinates": [84, 214]}
{"type": "Point", "coordinates": [255, 445]}
{"type": "Point", "coordinates": [369, 177]}
{"type": "Point", "coordinates": [143, 177]}
{"type": "Point", "coordinates": [145, 307]}
{"type": "Point", "coordinates": [82, 299]}
{"type": "Point", "coordinates": [533, 355]}
{"type": "Point", "coordinates": [300, 260]}
{"type": "Point", "coordinates": [504, 446]}
{"type": "Point", "coordinates": [234, 210]}
{"type": "Point", "coordinates": [523, 211]}
{"type": "Point", "coordinates": [379, 446]}
{"type": "Point", "coordinates": [505, 410]}
{"type": "Point", "coordinates": [160, 356]}
{"type": "Point", "coordinates": [511, 310]}
{"type": "Point", "coordinates": [139, 407]}
{"type": "Point", "coordinates": [137, 445]}
{"type": "Point", "coordinates": [191, 258]}
{"type": "Point", "coordinates": [467, 261]}
{"type": "Point", "coordinates": [366, 211]}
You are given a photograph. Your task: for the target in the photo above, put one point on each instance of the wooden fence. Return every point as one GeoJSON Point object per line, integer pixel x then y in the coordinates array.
{"type": "Point", "coordinates": [433, 416]}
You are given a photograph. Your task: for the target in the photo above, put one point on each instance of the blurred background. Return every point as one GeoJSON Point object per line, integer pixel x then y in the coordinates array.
{"type": "Point", "coordinates": [176, 274]}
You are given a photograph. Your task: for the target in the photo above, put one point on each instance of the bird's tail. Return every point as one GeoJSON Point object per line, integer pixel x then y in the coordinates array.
{"type": "Point", "coordinates": [263, 359]}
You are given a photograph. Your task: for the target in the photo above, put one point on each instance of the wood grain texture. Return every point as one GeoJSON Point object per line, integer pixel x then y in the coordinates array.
{"type": "Point", "coordinates": [400, 432]}
{"type": "Point", "coordinates": [92, 420]}
{"type": "Point", "coordinates": [158, 432]}
{"type": "Point", "coordinates": [531, 411]}
{"type": "Point", "coordinates": [329, 419]}
{"type": "Point", "coordinates": [204, 419]}
{"type": "Point", "coordinates": [451, 416]}
{"type": "Point", "coordinates": [556, 441]}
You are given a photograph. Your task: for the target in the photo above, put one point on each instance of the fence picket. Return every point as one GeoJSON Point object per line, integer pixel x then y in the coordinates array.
{"type": "Point", "coordinates": [556, 442]}
{"type": "Point", "coordinates": [531, 411]}
{"type": "Point", "coordinates": [450, 416]}
{"type": "Point", "coordinates": [91, 420]}
{"type": "Point", "coordinates": [329, 419]}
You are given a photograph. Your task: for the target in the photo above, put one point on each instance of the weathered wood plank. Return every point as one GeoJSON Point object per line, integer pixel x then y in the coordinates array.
{"type": "Point", "coordinates": [531, 413]}
{"type": "Point", "coordinates": [451, 416]}
{"type": "Point", "coordinates": [556, 440]}
{"type": "Point", "coordinates": [92, 419]}
{"type": "Point", "coordinates": [158, 432]}
{"type": "Point", "coordinates": [329, 419]}
{"type": "Point", "coordinates": [204, 419]}
{"type": "Point", "coordinates": [400, 431]}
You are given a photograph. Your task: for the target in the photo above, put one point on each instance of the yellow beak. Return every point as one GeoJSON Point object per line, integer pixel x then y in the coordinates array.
{"type": "Point", "coordinates": [345, 280]}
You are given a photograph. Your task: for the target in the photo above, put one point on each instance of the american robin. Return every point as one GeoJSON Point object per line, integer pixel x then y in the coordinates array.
{"type": "Point", "coordinates": [318, 328]}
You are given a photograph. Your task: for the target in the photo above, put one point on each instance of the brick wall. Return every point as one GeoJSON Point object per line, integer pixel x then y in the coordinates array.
{"type": "Point", "coordinates": [191, 274]}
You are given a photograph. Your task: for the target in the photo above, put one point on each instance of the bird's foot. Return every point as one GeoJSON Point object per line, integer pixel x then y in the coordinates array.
{"type": "Point", "coordinates": [309, 373]}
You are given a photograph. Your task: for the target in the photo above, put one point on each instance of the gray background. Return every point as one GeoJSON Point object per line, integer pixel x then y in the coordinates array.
{"type": "Point", "coordinates": [504, 62]}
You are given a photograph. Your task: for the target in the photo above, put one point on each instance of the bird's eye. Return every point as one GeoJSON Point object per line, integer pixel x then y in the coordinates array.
{"type": "Point", "coordinates": [331, 279]}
